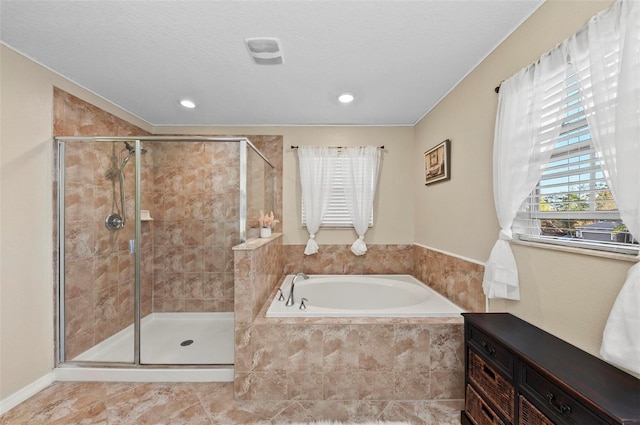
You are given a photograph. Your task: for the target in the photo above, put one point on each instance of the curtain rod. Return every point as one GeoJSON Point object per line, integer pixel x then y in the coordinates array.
{"type": "Point", "coordinates": [336, 147]}
{"type": "Point", "coordinates": [559, 45]}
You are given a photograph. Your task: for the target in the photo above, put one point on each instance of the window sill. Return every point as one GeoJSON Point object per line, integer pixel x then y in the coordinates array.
{"type": "Point", "coordinates": [577, 250]}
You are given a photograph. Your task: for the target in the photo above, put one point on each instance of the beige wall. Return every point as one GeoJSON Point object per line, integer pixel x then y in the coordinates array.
{"type": "Point", "coordinates": [569, 295]}
{"type": "Point", "coordinates": [26, 221]}
{"type": "Point", "coordinates": [393, 209]}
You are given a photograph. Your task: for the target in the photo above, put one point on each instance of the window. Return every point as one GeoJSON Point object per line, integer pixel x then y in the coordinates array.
{"type": "Point", "coordinates": [572, 203]}
{"type": "Point", "coordinates": [337, 214]}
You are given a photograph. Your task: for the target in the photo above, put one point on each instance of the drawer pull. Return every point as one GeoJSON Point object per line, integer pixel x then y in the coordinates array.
{"type": "Point", "coordinates": [487, 413]}
{"type": "Point", "coordinates": [491, 374]}
{"type": "Point", "coordinates": [490, 350]}
{"type": "Point", "coordinates": [562, 408]}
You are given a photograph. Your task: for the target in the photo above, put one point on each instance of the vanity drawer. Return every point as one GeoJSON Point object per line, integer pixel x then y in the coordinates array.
{"type": "Point", "coordinates": [494, 352]}
{"type": "Point", "coordinates": [492, 384]}
{"type": "Point", "coordinates": [478, 411]}
{"type": "Point", "coordinates": [562, 405]}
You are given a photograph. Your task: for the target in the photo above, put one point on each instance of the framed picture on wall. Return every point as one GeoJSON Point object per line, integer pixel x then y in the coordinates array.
{"type": "Point", "coordinates": [437, 163]}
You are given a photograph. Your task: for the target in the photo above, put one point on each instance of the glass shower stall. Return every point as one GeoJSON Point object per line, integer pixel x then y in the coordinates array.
{"type": "Point", "coordinates": [145, 229]}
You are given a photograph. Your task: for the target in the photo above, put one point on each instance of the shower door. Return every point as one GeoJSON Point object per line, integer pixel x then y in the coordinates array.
{"type": "Point", "coordinates": [96, 267]}
{"type": "Point", "coordinates": [146, 230]}
{"type": "Point", "coordinates": [190, 222]}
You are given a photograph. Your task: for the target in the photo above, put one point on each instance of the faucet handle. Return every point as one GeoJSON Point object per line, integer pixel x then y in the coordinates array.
{"type": "Point", "coordinates": [302, 304]}
{"type": "Point", "coordinates": [280, 295]}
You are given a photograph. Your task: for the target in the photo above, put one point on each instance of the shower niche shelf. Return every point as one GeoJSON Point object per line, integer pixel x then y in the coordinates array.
{"type": "Point", "coordinates": [145, 216]}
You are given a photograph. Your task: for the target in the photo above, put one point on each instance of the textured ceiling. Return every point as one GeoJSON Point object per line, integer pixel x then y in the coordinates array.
{"type": "Point", "coordinates": [398, 57]}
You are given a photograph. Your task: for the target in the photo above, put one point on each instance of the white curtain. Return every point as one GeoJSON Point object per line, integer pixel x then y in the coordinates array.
{"type": "Point", "coordinates": [526, 128]}
{"type": "Point", "coordinates": [317, 168]}
{"type": "Point", "coordinates": [361, 166]}
{"type": "Point", "coordinates": [607, 61]}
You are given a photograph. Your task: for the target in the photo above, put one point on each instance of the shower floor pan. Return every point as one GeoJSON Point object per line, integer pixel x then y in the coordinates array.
{"type": "Point", "coordinates": [171, 339]}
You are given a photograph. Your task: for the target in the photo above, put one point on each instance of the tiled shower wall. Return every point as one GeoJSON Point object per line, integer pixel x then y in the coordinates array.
{"type": "Point", "coordinates": [195, 210]}
{"type": "Point", "coordinates": [98, 266]}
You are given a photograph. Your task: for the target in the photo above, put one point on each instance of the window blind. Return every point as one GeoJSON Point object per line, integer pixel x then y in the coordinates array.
{"type": "Point", "coordinates": [337, 214]}
{"type": "Point", "coordinates": [572, 201]}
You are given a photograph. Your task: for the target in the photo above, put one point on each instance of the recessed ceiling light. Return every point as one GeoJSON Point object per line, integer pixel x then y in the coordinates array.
{"type": "Point", "coordinates": [346, 97]}
{"type": "Point", "coordinates": [189, 104]}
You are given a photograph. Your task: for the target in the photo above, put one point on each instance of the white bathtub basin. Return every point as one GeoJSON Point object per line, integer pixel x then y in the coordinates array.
{"type": "Point", "coordinates": [362, 296]}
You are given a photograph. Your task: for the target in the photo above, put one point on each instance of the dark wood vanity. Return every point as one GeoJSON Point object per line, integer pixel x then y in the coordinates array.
{"type": "Point", "coordinates": [519, 374]}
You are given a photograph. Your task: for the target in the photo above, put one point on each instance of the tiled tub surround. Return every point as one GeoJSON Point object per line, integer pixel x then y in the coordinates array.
{"type": "Point", "coordinates": [358, 358]}
{"type": "Point", "coordinates": [350, 359]}
{"type": "Point", "coordinates": [457, 279]}
{"type": "Point", "coordinates": [337, 358]}
{"type": "Point", "coordinates": [338, 259]}
{"type": "Point", "coordinates": [257, 273]}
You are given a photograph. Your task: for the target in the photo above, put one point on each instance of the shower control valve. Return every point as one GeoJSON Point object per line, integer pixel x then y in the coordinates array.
{"type": "Point", "coordinates": [113, 222]}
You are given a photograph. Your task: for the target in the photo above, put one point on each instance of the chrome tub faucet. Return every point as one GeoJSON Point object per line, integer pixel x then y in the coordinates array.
{"type": "Point", "coordinates": [290, 300]}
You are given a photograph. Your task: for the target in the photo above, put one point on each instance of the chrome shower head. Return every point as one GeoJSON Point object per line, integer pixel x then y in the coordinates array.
{"type": "Point", "coordinates": [132, 151]}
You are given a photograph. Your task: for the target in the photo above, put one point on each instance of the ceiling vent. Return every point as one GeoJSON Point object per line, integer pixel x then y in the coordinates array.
{"type": "Point", "coordinates": [264, 50]}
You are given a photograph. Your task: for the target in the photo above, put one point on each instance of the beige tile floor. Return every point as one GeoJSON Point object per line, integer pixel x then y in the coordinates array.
{"type": "Point", "coordinates": [111, 403]}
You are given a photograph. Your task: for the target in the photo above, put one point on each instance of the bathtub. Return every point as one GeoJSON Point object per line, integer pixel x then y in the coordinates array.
{"type": "Point", "coordinates": [362, 296]}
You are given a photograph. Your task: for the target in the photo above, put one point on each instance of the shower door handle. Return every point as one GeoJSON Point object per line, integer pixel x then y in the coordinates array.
{"type": "Point", "coordinates": [132, 246]}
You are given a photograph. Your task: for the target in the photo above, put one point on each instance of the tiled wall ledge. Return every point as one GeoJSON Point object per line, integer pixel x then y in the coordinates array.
{"type": "Point", "coordinates": [255, 243]}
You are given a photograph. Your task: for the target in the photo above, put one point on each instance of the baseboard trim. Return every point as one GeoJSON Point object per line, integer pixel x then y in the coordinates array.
{"type": "Point", "coordinates": [24, 393]}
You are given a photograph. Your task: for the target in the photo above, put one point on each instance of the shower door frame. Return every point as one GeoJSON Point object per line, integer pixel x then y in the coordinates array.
{"type": "Point", "coordinates": [243, 143]}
